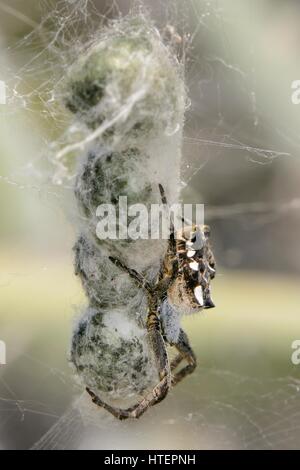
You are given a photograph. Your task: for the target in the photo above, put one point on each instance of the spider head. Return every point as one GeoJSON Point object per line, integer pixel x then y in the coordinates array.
{"type": "Point", "coordinates": [191, 291]}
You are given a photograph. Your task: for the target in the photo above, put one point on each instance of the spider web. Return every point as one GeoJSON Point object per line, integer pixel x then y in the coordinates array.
{"type": "Point", "coordinates": [246, 413]}
{"type": "Point", "coordinates": [65, 30]}
{"type": "Point", "coordinates": [229, 410]}
{"type": "Point", "coordinates": [266, 417]}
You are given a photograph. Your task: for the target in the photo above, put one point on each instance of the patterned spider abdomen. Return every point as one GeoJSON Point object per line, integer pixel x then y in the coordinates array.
{"type": "Point", "coordinates": [190, 291]}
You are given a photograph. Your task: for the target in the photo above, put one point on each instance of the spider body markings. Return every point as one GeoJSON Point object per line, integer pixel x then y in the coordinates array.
{"type": "Point", "coordinates": [182, 287]}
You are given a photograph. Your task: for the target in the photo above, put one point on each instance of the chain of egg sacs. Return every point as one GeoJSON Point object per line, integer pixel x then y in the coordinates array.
{"type": "Point", "coordinates": [130, 79]}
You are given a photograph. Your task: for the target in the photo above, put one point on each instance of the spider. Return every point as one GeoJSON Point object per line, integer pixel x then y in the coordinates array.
{"type": "Point", "coordinates": [182, 286]}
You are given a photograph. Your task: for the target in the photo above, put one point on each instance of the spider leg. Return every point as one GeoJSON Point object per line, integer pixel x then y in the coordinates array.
{"type": "Point", "coordinates": [140, 280]}
{"type": "Point", "coordinates": [160, 391]}
{"type": "Point", "coordinates": [163, 194]}
{"type": "Point", "coordinates": [158, 394]}
{"type": "Point", "coordinates": [172, 241]}
{"type": "Point", "coordinates": [185, 352]}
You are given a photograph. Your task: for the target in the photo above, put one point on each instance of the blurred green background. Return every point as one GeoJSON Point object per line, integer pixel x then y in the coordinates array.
{"type": "Point", "coordinates": [241, 158]}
